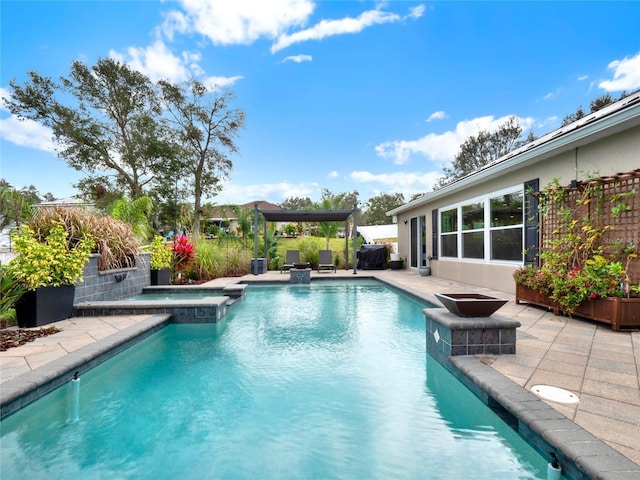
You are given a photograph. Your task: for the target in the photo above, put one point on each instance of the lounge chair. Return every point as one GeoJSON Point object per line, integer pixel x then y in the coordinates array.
{"type": "Point", "coordinates": [325, 261]}
{"type": "Point", "coordinates": [293, 257]}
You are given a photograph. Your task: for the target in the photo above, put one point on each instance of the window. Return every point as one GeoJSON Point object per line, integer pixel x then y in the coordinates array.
{"type": "Point", "coordinates": [487, 228]}
{"type": "Point", "coordinates": [473, 230]}
{"type": "Point", "coordinates": [507, 226]}
{"type": "Point", "coordinates": [449, 235]}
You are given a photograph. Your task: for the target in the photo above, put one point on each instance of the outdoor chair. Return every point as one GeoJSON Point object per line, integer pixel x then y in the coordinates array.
{"type": "Point", "coordinates": [293, 257]}
{"type": "Point", "coordinates": [325, 261]}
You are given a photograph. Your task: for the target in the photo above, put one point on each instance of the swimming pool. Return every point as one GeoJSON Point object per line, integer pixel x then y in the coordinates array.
{"type": "Point", "coordinates": [304, 381]}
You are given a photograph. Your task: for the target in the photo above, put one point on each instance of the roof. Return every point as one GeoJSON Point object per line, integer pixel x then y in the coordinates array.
{"type": "Point", "coordinates": [262, 205]}
{"type": "Point", "coordinates": [305, 215]}
{"type": "Point", "coordinates": [66, 202]}
{"type": "Point", "coordinates": [614, 118]}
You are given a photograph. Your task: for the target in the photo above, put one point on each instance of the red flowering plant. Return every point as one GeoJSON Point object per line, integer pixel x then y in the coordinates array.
{"type": "Point", "coordinates": [183, 253]}
{"type": "Point", "coordinates": [598, 278]}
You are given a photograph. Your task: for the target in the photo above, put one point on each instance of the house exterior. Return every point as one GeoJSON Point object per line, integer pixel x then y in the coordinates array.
{"type": "Point", "coordinates": [480, 228]}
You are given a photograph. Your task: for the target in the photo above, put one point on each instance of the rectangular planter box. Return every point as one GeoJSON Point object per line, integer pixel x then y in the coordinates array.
{"type": "Point", "coordinates": [45, 305]}
{"type": "Point", "coordinates": [160, 277]}
{"type": "Point", "coordinates": [618, 312]}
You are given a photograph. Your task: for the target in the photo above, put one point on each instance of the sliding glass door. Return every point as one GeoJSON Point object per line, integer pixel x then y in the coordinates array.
{"type": "Point", "coordinates": [418, 254]}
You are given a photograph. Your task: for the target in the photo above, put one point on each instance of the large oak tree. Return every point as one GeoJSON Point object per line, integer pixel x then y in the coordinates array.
{"type": "Point", "coordinates": [106, 122]}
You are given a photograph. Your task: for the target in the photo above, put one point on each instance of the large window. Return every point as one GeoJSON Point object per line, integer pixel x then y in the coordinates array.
{"type": "Point", "coordinates": [507, 226]}
{"type": "Point", "coordinates": [486, 228]}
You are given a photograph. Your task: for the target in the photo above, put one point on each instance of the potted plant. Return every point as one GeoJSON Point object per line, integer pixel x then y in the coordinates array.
{"type": "Point", "coordinates": [49, 268]}
{"type": "Point", "coordinates": [159, 261]}
{"type": "Point", "coordinates": [425, 270]}
{"type": "Point", "coordinates": [581, 272]}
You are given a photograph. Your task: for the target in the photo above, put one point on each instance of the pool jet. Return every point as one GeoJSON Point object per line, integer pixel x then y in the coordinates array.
{"type": "Point", "coordinates": [553, 469]}
{"type": "Point", "coordinates": [75, 384]}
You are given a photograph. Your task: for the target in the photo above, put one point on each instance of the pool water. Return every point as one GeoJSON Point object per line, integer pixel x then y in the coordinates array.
{"type": "Point", "coordinates": [302, 381]}
{"type": "Point", "coordinates": [198, 295]}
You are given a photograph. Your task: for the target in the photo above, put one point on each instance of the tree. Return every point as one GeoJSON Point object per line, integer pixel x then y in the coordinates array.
{"type": "Point", "coordinates": [341, 201]}
{"type": "Point", "coordinates": [330, 201]}
{"type": "Point", "coordinates": [376, 208]}
{"type": "Point", "coordinates": [105, 121]}
{"type": "Point", "coordinates": [595, 105]}
{"type": "Point", "coordinates": [328, 229]}
{"type": "Point", "coordinates": [572, 117]}
{"type": "Point", "coordinates": [296, 203]}
{"type": "Point", "coordinates": [15, 205]}
{"type": "Point", "coordinates": [477, 151]}
{"type": "Point", "coordinates": [205, 127]}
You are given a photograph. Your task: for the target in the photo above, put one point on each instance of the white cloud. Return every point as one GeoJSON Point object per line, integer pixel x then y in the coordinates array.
{"type": "Point", "coordinates": [298, 58]}
{"type": "Point", "coordinates": [157, 62]}
{"type": "Point", "coordinates": [416, 12]}
{"type": "Point", "coordinates": [552, 95]}
{"type": "Point", "coordinates": [439, 115]}
{"type": "Point", "coordinates": [24, 133]}
{"type": "Point", "coordinates": [328, 28]}
{"type": "Point", "coordinates": [626, 74]}
{"type": "Point", "coordinates": [582, 78]}
{"type": "Point", "coordinates": [273, 192]}
{"type": "Point", "coordinates": [333, 174]}
{"type": "Point", "coordinates": [398, 180]}
{"type": "Point", "coordinates": [444, 146]}
{"type": "Point", "coordinates": [27, 133]}
{"type": "Point", "coordinates": [215, 83]}
{"type": "Point", "coordinates": [237, 21]}
{"type": "Point", "coordinates": [551, 121]}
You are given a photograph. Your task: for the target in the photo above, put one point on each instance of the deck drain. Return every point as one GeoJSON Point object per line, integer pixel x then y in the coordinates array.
{"type": "Point", "coordinates": [555, 394]}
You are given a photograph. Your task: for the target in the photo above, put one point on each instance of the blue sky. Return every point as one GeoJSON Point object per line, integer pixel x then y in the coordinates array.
{"type": "Point", "coordinates": [343, 95]}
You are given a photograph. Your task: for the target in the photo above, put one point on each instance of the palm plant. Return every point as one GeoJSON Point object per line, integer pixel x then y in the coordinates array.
{"type": "Point", "coordinates": [11, 289]}
{"type": "Point", "coordinates": [136, 213]}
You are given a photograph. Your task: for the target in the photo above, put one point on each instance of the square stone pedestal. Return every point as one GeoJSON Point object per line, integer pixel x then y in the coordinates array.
{"type": "Point", "coordinates": [450, 335]}
{"type": "Point", "coordinates": [300, 275]}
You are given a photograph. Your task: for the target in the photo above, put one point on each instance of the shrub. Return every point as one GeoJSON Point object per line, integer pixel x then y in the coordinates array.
{"type": "Point", "coordinates": [160, 254]}
{"type": "Point", "coordinates": [51, 261]}
{"type": "Point", "coordinates": [113, 239]}
{"type": "Point", "coordinates": [309, 250]}
{"type": "Point", "coordinates": [11, 289]}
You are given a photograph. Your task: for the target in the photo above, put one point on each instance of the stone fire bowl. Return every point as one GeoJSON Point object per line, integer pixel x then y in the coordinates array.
{"type": "Point", "coordinates": [470, 304]}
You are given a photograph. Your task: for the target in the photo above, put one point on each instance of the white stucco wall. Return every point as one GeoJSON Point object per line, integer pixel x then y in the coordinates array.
{"type": "Point", "coordinates": [617, 153]}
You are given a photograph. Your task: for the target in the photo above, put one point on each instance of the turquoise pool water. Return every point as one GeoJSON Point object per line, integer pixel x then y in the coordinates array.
{"type": "Point", "coordinates": [174, 296]}
{"type": "Point", "coordinates": [312, 381]}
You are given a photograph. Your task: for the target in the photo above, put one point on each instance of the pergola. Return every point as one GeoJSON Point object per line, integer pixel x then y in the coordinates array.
{"type": "Point", "coordinates": [303, 216]}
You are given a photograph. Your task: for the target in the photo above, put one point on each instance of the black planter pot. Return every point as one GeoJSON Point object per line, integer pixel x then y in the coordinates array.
{"type": "Point", "coordinates": [45, 305]}
{"type": "Point", "coordinates": [160, 277]}
{"type": "Point", "coordinates": [396, 264]}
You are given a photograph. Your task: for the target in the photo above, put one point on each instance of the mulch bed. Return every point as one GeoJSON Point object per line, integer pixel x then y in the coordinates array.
{"type": "Point", "coordinates": [14, 337]}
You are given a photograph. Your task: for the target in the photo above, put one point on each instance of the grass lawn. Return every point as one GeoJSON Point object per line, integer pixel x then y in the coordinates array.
{"type": "Point", "coordinates": [309, 246]}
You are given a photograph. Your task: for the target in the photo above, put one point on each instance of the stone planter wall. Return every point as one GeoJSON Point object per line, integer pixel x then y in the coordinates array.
{"type": "Point", "coordinates": [619, 312]}
{"type": "Point", "coordinates": [112, 284]}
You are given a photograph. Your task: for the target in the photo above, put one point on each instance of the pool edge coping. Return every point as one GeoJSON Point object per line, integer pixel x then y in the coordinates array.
{"type": "Point", "coordinates": [575, 447]}
{"type": "Point", "coordinates": [24, 389]}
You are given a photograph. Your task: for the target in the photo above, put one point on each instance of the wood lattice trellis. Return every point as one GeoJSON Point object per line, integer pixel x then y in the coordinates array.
{"type": "Point", "coordinates": [616, 204]}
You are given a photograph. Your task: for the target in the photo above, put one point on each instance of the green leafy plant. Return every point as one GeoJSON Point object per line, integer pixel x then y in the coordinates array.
{"type": "Point", "coordinates": [160, 254]}
{"type": "Point", "coordinates": [51, 262]}
{"type": "Point", "coordinates": [11, 289]}
{"type": "Point", "coordinates": [576, 264]}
